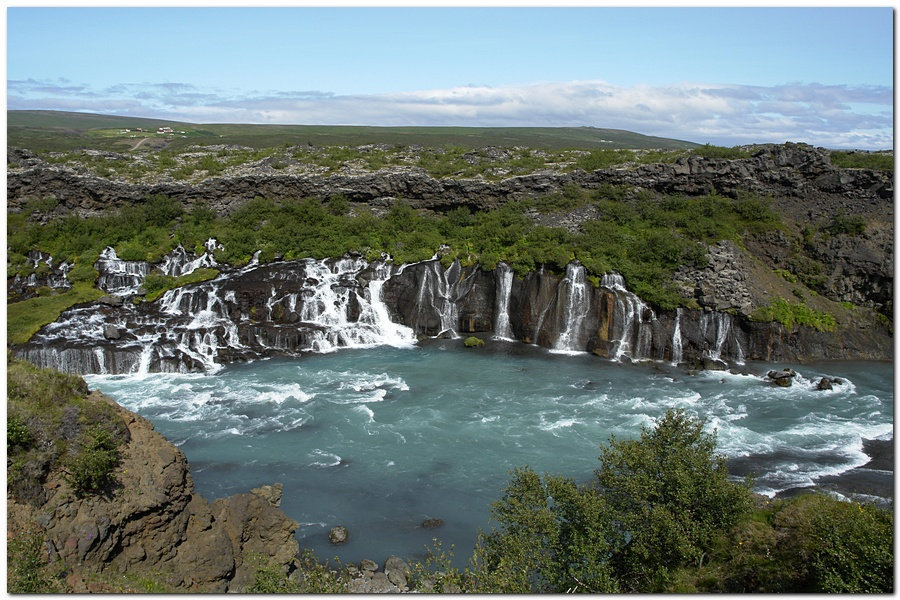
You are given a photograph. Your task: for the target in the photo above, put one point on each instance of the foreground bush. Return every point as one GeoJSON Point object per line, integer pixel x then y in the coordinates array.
{"type": "Point", "coordinates": [662, 515]}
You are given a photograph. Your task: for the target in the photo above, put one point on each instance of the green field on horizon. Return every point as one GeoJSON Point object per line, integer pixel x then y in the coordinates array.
{"type": "Point", "coordinates": [42, 130]}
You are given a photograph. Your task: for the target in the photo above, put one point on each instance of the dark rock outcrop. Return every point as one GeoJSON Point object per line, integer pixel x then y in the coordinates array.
{"type": "Point", "coordinates": [782, 171]}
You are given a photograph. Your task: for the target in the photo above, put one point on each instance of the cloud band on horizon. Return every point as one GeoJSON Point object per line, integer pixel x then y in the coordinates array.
{"type": "Point", "coordinates": [834, 116]}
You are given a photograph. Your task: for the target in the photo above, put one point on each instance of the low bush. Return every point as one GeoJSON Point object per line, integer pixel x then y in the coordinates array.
{"type": "Point", "coordinates": [55, 424]}
{"type": "Point", "coordinates": [663, 515]}
{"type": "Point", "coordinates": [792, 314]}
{"type": "Point", "coordinates": [27, 571]}
{"type": "Point", "coordinates": [89, 469]}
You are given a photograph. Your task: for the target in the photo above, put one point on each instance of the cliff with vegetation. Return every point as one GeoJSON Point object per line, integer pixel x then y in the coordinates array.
{"type": "Point", "coordinates": [766, 252]}
{"type": "Point", "coordinates": [98, 501]}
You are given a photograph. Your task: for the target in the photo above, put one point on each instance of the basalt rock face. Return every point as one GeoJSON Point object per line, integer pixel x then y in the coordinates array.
{"type": "Point", "coordinates": [788, 172]}
{"type": "Point", "coordinates": [153, 523]}
{"type": "Point", "coordinates": [292, 307]}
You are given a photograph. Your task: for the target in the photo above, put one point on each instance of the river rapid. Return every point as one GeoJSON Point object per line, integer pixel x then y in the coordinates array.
{"type": "Point", "coordinates": [380, 439]}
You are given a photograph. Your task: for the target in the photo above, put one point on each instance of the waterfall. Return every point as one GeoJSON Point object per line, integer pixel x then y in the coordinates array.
{"type": "Point", "coordinates": [502, 329]}
{"type": "Point", "coordinates": [636, 339]}
{"type": "Point", "coordinates": [307, 305]}
{"type": "Point", "coordinates": [178, 262]}
{"type": "Point", "coordinates": [676, 338]}
{"type": "Point", "coordinates": [625, 307]}
{"type": "Point", "coordinates": [575, 308]}
{"type": "Point", "coordinates": [120, 277]}
{"type": "Point", "coordinates": [722, 322]}
{"type": "Point", "coordinates": [436, 292]}
{"type": "Point", "coordinates": [375, 312]}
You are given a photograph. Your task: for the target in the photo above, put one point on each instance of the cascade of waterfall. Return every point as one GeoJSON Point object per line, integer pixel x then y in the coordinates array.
{"type": "Point", "coordinates": [117, 276]}
{"type": "Point", "coordinates": [626, 308]}
{"type": "Point", "coordinates": [636, 338]}
{"type": "Point", "coordinates": [502, 329]}
{"type": "Point", "coordinates": [676, 338]}
{"type": "Point", "coordinates": [374, 312]}
{"type": "Point", "coordinates": [321, 305]}
{"type": "Point", "coordinates": [178, 262]}
{"type": "Point", "coordinates": [575, 308]}
{"type": "Point", "coordinates": [613, 281]}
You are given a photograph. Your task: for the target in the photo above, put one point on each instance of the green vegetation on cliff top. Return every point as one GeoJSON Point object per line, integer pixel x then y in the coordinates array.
{"type": "Point", "coordinates": [645, 238]}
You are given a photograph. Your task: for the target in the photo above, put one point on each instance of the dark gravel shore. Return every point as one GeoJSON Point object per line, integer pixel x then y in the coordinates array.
{"type": "Point", "coordinates": [875, 478]}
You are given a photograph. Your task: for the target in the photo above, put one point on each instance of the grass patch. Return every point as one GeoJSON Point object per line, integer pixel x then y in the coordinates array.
{"type": "Point", "coordinates": [57, 425]}
{"type": "Point", "coordinates": [24, 319]}
{"type": "Point", "coordinates": [877, 161]}
{"type": "Point", "coordinates": [791, 314]}
{"type": "Point", "coordinates": [157, 284]}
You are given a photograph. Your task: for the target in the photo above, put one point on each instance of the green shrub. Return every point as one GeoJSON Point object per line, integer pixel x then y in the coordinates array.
{"type": "Point", "coordinates": [66, 427]}
{"type": "Point", "coordinates": [311, 577]}
{"type": "Point", "coordinates": [792, 314]}
{"type": "Point", "coordinates": [850, 549]}
{"type": "Point", "coordinates": [90, 469]}
{"type": "Point", "coordinates": [848, 225]}
{"type": "Point", "coordinates": [669, 490]}
{"type": "Point", "coordinates": [28, 574]}
{"type": "Point", "coordinates": [657, 505]}
{"type": "Point", "coordinates": [17, 434]}
{"type": "Point", "coordinates": [708, 151]}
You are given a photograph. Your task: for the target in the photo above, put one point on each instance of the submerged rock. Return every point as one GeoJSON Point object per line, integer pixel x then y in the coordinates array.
{"type": "Point", "coordinates": [338, 535]}
{"type": "Point", "coordinates": [432, 523]}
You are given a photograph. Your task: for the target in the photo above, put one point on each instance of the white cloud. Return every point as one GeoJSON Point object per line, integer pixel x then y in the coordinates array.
{"type": "Point", "coordinates": [728, 114]}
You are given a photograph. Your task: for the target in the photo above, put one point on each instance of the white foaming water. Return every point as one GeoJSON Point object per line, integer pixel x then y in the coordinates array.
{"type": "Point", "coordinates": [178, 262]}
{"type": "Point", "coordinates": [575, 308]}
{"type": "Point", "coordinates": [676, 338]}
{"type": "Point", "coordinates": [117, 276]}
{"type": "Point", "coordinates": [502, 329]}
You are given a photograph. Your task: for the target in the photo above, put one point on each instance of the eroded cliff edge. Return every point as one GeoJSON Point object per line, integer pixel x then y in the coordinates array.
{"type": "Point", "coordinates": [150, 523]}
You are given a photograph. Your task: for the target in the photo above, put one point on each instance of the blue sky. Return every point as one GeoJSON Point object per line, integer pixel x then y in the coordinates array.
{"type": "Point", "coordinates": [719, 75]}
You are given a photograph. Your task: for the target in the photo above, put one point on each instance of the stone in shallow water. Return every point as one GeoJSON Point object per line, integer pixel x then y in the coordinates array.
{"type": "Point", "coordinates": [338, 535]}
{"type": "Point", "coordinates": [825, 384]}
{"type": "Point", "coordinates": [432, 523]}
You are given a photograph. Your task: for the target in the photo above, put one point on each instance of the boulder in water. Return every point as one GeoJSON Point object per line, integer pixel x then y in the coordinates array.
{"type": "Point", "coordinates": [784, 378]}
{"type": "Point", "coordinates": [825, 383]}
{"type": "Point", "coordinates": [338, 535]}
{"type": "Point", "coordinates": [432, 523]}
{"type": "Point", "coordinates": [714, 364]}
{"type": "Point", "coordinates": [111, 332]}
